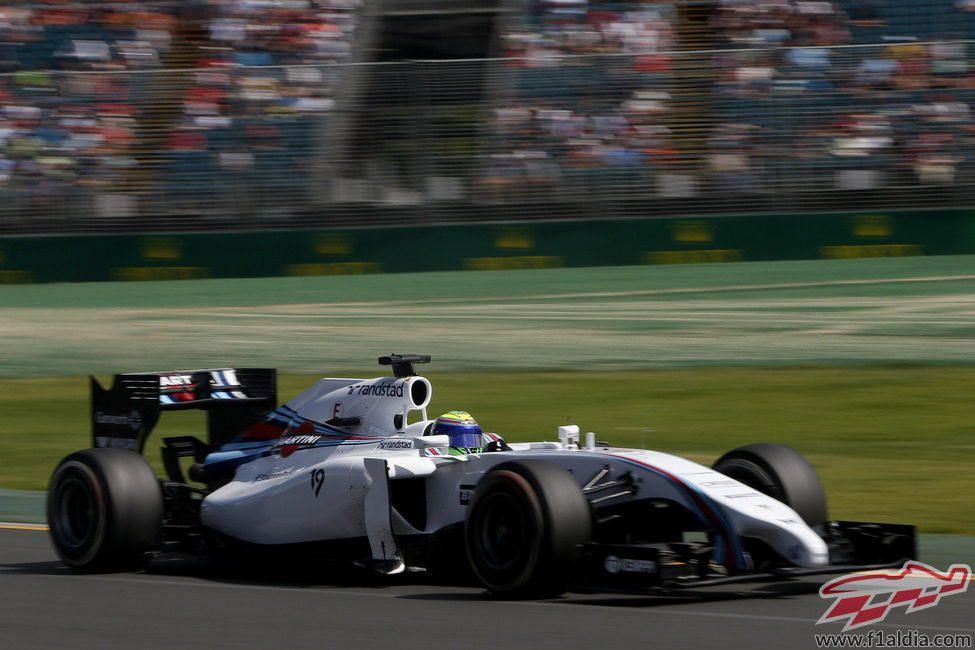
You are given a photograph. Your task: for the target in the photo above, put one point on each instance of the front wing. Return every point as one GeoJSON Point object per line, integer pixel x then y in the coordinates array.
{"type": "Point", "coordinates": [853, 546]}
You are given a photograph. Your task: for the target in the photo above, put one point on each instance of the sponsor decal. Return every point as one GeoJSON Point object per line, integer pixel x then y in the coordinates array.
{"type": "Point", "coordinates": [332, 268]}
{"type": "Point", "coordinates": [132, 420]}
{"type": "Point", "coordinates": [377, 389]}
{"type": "Point", "coordinates": [870, 250]}
{"type": "Point", "coordinates": [223, 377]}
{"type": "Point", "coordinates": [17, 276]}
{"type": "Point", "coordinates": [692, 232]}
{"type": "Point", "coordinates": [872, 226]}
{"type": "Point", "coordinates": [270, 476]}
{"type": "Point", "coordinates": [794, 552]}
{"type": "Point", "coordinates": [118, 443]}
{"type": "Point", "coordinates": [161, 248]}
{"type": "Point", "coordinates": [396, 444]}
{"type": "Point", "coordinates": [298, 440]}
{"type": "Point", "coordinates": [150, 273]}
{"type": "Point", "coordinates": [615, 564]}
{"type": "Point", "coordinates": [177, 380]}
{"type": "Point", "coordinates": [513, 262]}
{"type": "Point", "coordinates": [693, 256]}
{"type": "Point", "coordinates": [289, 444]}
{"type": "Point", "coordinates": [720, 483]}
{"type": "Point", "coordinates": [866, 598]}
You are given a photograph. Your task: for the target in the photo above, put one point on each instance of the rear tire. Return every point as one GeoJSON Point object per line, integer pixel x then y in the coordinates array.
{"type": "Point", "coordinates": [525, 528]}
{"type": "Point", "coordinates": [780, 472]}
{"type": "Point", "coordinates": [105, 510]}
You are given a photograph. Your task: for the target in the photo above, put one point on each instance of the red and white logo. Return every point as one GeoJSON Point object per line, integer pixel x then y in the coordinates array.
{"type": "Point", "coordinates": [866, 598]}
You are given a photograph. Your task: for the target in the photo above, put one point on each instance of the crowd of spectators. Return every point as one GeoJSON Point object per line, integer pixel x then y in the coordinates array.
{"type": "Point", "coordinates": [252, 110]}
{"type": "Point", "coordinates": [555, 28]}
{"type": "Point", "coordinates": [70, 112]}
{"type": "Point", "coordinates": [209, 99]}
{"type": "Point", "coordinates": [812, 46]}
{"type": "Point", "coordinates": [585, 98]}
{"type": "Point", "coordinates": [237, 88]}
{"type": "Point", "coordinates": [821, 109]}
{"type": "Point", "coordinates": [789, 94]}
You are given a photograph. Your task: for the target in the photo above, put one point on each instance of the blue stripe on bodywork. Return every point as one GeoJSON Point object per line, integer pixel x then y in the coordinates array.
{"type": "Point", "coordinates": [706, 510]}
{"type": "Point", "coordinates": [240, 451]}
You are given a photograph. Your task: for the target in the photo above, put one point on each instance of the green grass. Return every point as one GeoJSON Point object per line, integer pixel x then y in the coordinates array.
{"type": "Point", "coordinates": [891, 443]}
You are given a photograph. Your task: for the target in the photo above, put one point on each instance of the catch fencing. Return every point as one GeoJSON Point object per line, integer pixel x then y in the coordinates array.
{"type": "Point", "coordinates": [702, 132]}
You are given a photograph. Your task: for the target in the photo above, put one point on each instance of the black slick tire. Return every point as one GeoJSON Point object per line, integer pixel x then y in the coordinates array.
{"type": "Point", "coordinates": [104, 510]}
{"type": "Point", "coordinates": [525, 528]}
{"type": "Point", "coordinates": [780, 472]}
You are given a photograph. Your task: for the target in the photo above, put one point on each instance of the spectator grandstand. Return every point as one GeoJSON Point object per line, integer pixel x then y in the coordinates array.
{"type": "Point", "coordinates": [258, 113]}
{"type": "Point", "coordinates": [125, 108]}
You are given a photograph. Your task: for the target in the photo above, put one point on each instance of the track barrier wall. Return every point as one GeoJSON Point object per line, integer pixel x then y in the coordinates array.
{"type": "Point", "coordinates": [484, 246]}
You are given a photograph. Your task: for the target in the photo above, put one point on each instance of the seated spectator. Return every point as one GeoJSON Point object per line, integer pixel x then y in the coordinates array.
{"type": "Point", "coordinates": [732, 147]}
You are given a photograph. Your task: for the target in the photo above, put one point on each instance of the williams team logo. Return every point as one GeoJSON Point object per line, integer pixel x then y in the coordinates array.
{"type": "Point", "coordinates": [866, 598]}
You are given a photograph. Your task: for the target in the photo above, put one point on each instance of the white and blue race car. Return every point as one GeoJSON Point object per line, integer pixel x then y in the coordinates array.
{"type": "Point", "coordinates": [353, 469]}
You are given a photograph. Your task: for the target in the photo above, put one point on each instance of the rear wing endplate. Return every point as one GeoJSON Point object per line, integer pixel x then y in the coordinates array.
{"type": "Point", "coordinates": [234, 398]}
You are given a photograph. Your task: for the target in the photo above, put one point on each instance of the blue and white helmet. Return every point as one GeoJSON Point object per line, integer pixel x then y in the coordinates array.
{"type": "Point", "coordinates": [463, 430]}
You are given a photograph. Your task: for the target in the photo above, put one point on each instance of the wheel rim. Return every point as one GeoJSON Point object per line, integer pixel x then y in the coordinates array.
{"type": "Point", "coordinates": [77, 515]}
{"type": "Point", "coordinates": [524, 529]}
{"type": "Point", "coordinates": [503, 531]}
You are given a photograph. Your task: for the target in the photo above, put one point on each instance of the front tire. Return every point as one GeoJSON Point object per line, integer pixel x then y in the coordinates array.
{"type": "Point", "coordinates": [525, 528]}
{"type": "Point", "coordinates": [104, 510]}
{"type": "Point", "coordinates": [780, 472]}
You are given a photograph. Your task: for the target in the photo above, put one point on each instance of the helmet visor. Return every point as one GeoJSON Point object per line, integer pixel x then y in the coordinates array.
{"type": "Point", "coordinates": [465, 439]}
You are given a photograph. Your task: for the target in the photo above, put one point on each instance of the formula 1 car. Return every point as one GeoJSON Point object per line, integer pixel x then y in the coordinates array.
{"type": "Point", "coordinates": [353, 469]}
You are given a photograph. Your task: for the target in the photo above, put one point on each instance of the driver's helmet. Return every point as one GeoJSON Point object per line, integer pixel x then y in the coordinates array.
{"type": "Point", "coordinates": [464, 432]}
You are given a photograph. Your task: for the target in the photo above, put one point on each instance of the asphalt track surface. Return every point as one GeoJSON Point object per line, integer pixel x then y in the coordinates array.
{"type": "Point", "coordinates": [192, 604]}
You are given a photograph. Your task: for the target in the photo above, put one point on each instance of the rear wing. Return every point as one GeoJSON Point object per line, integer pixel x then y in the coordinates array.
{"type": "Point", "coordinates": [234, 398]}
